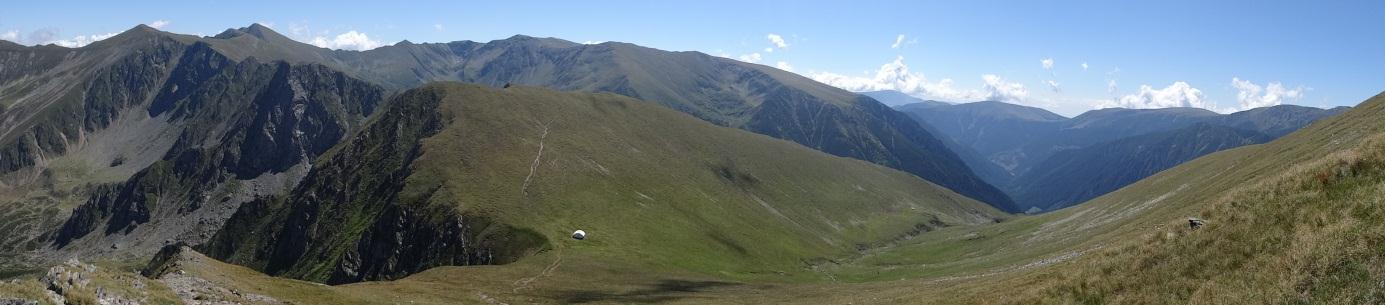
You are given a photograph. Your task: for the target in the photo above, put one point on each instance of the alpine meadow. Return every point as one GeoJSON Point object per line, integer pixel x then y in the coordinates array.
{"type": "Point", "coordinates": [625, 152]}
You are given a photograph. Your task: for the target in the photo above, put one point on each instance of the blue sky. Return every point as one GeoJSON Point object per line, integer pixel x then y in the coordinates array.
{"type": "Point", "coordinates": [1221, 55]}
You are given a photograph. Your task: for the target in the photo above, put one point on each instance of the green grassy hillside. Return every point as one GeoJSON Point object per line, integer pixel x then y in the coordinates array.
{"type": "Point", "coordinates": [468, 174]}
{"type": "Point", "coordinates": [1295, 220]}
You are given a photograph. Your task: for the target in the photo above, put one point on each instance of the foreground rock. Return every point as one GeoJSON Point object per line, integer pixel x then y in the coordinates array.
{"type": "Point", "coordinates": [168, 267]}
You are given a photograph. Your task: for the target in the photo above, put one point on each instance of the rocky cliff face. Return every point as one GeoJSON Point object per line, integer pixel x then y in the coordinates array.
{"type": "Point", "coordinates": [352, 220]}
{"type": "Point", "coordinates": [52, 106]}
{"type": "Point", "coordinates": [244, 130]}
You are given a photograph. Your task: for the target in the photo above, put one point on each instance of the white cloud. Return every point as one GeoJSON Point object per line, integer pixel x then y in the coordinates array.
{"type": "Point", "coordinates": [1251, 95]}
{"type": "Point", "coordinates": [79, 41]}
{"type": "Point", "coordinates": [769, 50]}
{"type": "Point", "coordinates": [784, 66]}
{"type": "Point", "coordinates": [897, 41]}
{"type": "Point", "coordinates": [1084, 66]}
{"type": "Point", "coordinates": [437, 27]}
{"type": "Point", "coordinates": [777, 40]}
{"type": "Point", "coordinates": [998, 89]}
{"type": "Point", "coordinates": [11, 35]}
{"type": "Point", "coordinates": [41, 36]}
{"type": "Point", "coordinates": [750, 58]}
{"type": "Point", "coordinates": [896, 76]}
{"type": "Point", "coordinates": [1178, 94]}
{"type": "Point", "coordinates": [1111, 86]}
{"type": "Point", "coordinates": [351, 40]}
{"type": "Point", "coordinates": [1048, 65]}
{"type": "Point", "coordinates": [598, 42]}
{"type": "Point", "coordinates": [158, 24]}
{"type": "Point", "coordinates": [299, 29]}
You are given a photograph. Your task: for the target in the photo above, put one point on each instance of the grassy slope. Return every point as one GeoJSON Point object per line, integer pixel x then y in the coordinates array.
{"type": "Point", "coordinates": [1278, 234]}
{"type": "Point", "coordinates": [655, 187]}
{"type": "Point", "coordinates": [1270, 216]}
{"type": "Point", "coordinates": [1297, 220]}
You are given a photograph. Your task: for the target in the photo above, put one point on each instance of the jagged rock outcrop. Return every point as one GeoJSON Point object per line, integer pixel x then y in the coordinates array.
{"type": "Point", "coordinates": [243, 128]}
{"type": "Point", "coordinates": [352, 200]}
{"type": "Point", "coordinates": [170, 267]}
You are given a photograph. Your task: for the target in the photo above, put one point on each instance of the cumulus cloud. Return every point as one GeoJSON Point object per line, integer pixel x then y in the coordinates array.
{"type": "Point", "coordinates": [11, 35]}
{"type": "Point", "coordinates": [750, 58]}
{"type": "Point", "coordinates": [777, 40]}
{"type": "Point", "coordinates": [897, 41]}
{"type": "Point", "coordinates": [769, 50]}
{"type": "Point", "coordinates": [42, 36]}
{"type": "Point", "coordinates": [1084, 66]}
{"type": "Point", "coordinates": [1251, 95]}
{"type": "Point", "coordinates": [158, 24]}
{"type": "Point", "coordinates": [1048, 66]}
{"type": "Point", "coordinates": [77, 42]}
{"type": "Point", "coordinates": [351, 40]}
{"type": "Point", "coordinates": [896, 76]}
{"type": "Point", "coordinates": [598, 42]}
{"type": "Point", "coordinates": [1178, 94]}
{"type": "Point", "coordinates": [1111, 80]}
{"type": "Point", "coordinates": [784, 66]}
{"type": "Point", "coordinates": [437, 27]}
{"type": "Point", "coordinates": [299, 29]}
{"type": "Point", "coordinates": [998, 89]}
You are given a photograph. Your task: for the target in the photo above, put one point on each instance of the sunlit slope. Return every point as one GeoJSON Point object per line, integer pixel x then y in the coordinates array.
{"type": "Point", "coordinates": [1298, 220]}
{"type": "Point", "coordinates": [1294, 220]}
{"type": "Point", "coordinates": [455, 174]}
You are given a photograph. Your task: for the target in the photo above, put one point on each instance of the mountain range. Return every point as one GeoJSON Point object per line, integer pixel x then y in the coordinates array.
{"type": "Point", "coordinates": [726, 92]}
{"type": "Point", "coordinates": [1022, 149]}
{"type": "Point", "coordinates": [149, 138]}
{"type": "Point", "coordinates": [248, 168]}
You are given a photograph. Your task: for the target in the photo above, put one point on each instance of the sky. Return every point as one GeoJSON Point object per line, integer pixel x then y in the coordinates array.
{"type": "Point", "coordinates": [1064, 56]}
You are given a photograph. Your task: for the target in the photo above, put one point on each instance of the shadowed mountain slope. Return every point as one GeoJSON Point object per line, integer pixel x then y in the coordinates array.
{"type": "Point", "coordinates": [1075, 176]}
{"type": "Point", "coordinates": [1018, 143]}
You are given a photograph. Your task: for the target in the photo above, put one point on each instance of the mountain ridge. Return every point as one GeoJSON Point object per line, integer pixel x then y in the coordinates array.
{"type": "Point", "coordinates": [1016, 140]}
{"type": "Point", "coordinates": [719, 90]}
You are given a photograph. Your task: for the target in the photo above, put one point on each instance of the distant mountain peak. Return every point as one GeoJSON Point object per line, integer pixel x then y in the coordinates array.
{"type": "Point", "coordinates": [137, 32]}
{"type": "Point", "coordinates": [543, 41]}
{"type": "Point", "coordinates": [259, 27]}
{"type": "Point", "coordinates": [894, 98]}
{"type": "Point", "coordinates": [144, 28]}
{"type": "Point", "coordinates": [255, 29]}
